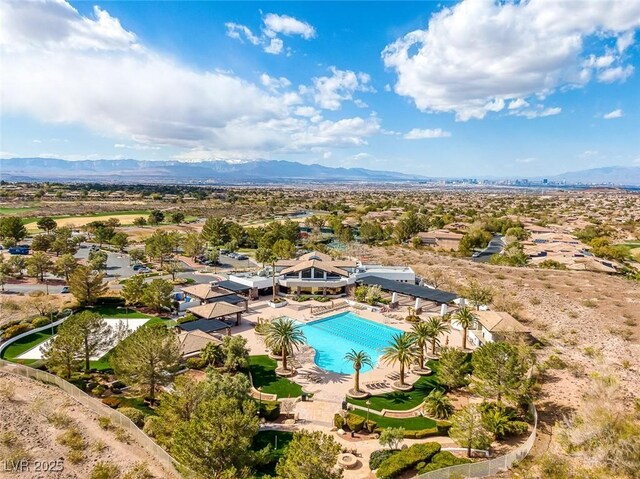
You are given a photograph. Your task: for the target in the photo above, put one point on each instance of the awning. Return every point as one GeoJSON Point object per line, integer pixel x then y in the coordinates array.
{"type": "Point", "coordinates": [422, 292]}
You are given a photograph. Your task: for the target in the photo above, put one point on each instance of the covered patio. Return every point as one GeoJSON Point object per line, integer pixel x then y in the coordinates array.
{"type": "Point", "coordinates": [218, 310]}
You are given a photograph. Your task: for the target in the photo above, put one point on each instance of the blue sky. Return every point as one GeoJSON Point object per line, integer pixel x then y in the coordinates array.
{"type": "Point", "coordinates": [472, 88]}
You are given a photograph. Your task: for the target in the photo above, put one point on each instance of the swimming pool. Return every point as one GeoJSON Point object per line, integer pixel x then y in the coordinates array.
{"type": "Point", "coordinates": [335, 336]}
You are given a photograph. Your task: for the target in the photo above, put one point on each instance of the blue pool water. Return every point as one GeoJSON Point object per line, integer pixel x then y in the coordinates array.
{"type": "Point", "coordinates": [335, 336]}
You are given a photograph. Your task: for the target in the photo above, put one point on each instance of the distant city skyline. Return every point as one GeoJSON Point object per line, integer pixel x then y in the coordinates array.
{"type": "Point", "coordinates": [453, 89]}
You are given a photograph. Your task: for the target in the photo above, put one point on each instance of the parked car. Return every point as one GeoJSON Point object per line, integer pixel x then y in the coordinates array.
{"type": "Point", "coordinates": [138, 266]}
{"type": "Point", "coordinates": [18, 250]}
{"type": "Point", "coordinates": [224, 251]}
{"type": "Point", "coordinates": [143, 270]}
{"type": "Point", "coordinates": [241, 257]}
{"type": "Point", "coordinates": [476, 254]}
{"type": "Point", "coordinates": [65, 290]}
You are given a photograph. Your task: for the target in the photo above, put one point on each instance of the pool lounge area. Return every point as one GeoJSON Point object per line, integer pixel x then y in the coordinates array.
{"type": "Point", "coordinates": [336, 335]}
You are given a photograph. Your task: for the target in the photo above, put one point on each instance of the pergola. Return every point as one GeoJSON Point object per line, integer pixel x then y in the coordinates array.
{"type": "Point", "coordinates": [215, 310]}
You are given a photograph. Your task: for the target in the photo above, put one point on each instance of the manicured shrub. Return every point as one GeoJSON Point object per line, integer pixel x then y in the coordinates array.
{"type": "Point", "coordinates": [518, 427]}
{"type": "Point", "coordinates": [187, 318]}
{"type": "Point", "coordinates": [338, 421]}
{"type": "Point", "coordinates": [407, 459]}
{"type": "Point", "coordinates": [370, 425]}
{"type": "Point", "coordinates": [153, 426]}
{"type": "Point", "coordinates": [355, 423]}
{"type": "Point", "coordinates": [40, 321]}
{"type": "Point", "coordinates": [196, 363]}
{"type": "Point", "coordinates": [440, 460]}
{"type": "Point", "coordinates": [421, 433]}
{"type": "Point", "coordinates": [379, 456]}
{"type": "Point", "coordinates": [270, 410]}
{"type": "Point", "coordinates": [136, 416]}
{"type": "Point", "coordinates": [12, 331]}
{"type": "Point", "coordinates": [112, 402]}
{"type": "Point", "coordinates": [98, 390]}
{"type": "Point", "coordinates": [443, 427]}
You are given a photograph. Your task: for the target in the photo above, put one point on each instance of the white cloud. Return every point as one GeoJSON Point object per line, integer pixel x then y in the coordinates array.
{"type": "Point", "coordinates": [272, 26]}
{"type": "Point", "coordinates": [331, 91]}
{"type": "Point", "coordinates": [288, 26]}
{"type": "Point", "coordinates": [93, 72]}
{"type": "Point", "coordinates": [540, 112]}
{"type": "Point", "coordinates": [613, 114]}
{"type": "Point", "coordinates": [517, 103]}
{"type": "Point", "coordinates": [480, 51]}
{"type": "Point", "coordinates": [619, 73]}
{"type": "Point", "coordinates": [418, 134]}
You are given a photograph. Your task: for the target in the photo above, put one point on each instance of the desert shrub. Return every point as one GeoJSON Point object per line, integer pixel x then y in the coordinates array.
{"type": "Point", "coordinates": [105, 470]}
{"type": "Point", "coordinates": [139, 470]}
{"type": "Point", "coordinates": [121, 435]}
{"type": "Point", "coordinates": [355, 423]}
{"type": "Point", "coordinates": [60, 419]}
{"type": "Point", "coordinates": [104, 422]}
{"type": "Point", "coordinates": [75, 457]}
{"type": "Point", "coordinates": [270, 410]}
{"type": "Point", "coordinates": [99, 446]}
{"type": "Point", "coordinates": [136, 416]}
{"type": "Point", "coordinates": [440, 460]}
{"type": "Point", "coordinates": [338, 421]}
{"type": "Point", "coordinates": [40, 321]}
{"type": "Point", "coordinates": [72, 439]}
{"type": "Point", "coordinates": [13, 331]}
{"type": "Point", "coordinates": [196, 363]}
{"type": "Point", "coordinates": [8, 438]}
{"type": "Point", "coordinates": [379, 456]}
{"type": "Point", "coordinates": [555, 362]}
{"type": "Point", "coordinates": [7, 391]}
{"type": "Point", "coordinates": [406, 459]}
{"type": "Point", "coordinates": [112, 402]}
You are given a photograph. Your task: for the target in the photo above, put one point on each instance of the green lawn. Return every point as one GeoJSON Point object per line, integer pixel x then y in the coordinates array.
{"type": "Point", "coordinates": [114, 312]}
{"type": "Point", "coordinates": [15, 211]}
{"type": "Point", "coordinates": [410, 424]}
{"type": "Point", "coordinates": [264, 438]}
{"type": "Point", "coordinates": [23, 345]}
{"type": "Point", "coordinates": [263, 372]}
{"type": "Point", "coordinates": [402, 401]}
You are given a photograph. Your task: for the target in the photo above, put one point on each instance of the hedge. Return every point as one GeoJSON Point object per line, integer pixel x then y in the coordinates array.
{"type": "Point", "coordinates": [338, 421]}
{"type": "Point", "coordinates": [40, 321]}
{"type": "Point", "coordinates": [379, 456]}
{"type": "Point", "coordinates": [407, 459]}
{"type": "Point", "coordinates": [196, 363]}
{"type": "Point", "coordinates": [270, 410]}
{"type": "Point", "coordinates": [355, 423]}
{"type": "Point", "coordinates": [440, 460]}
{"type": "Point", "coordinates": [421, 433]}
{"type": "Point", "coordinates": [136, 416]}
{"type": "Point", "coordinates": [12, 331]}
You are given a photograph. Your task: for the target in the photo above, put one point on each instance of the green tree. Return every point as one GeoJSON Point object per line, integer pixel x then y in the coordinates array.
{"type": "Point", "coordinates": [311, 455]}
{"type": "Point", "coordinates": [177, 217]}
{"type": "Point", "coordinates": [213, 355]}
{"type": "Point", "coordinates": [477, 293]}
{"type": "Point", "coordinates": [98, 260]}
{"type": "Point", "coordinates": [358, 359]}
{"type": "Point", "coordinates": [236, 353]}
{"type": "Point", "coordinates": [103, 233]}
{"type": "Point", "coordinates": [158, 246]}
{"type": "Point", "coordinates": [140, 221]}
{"type": "Point", "coordinates": [47, 224]}
{"type": "Point", "coordinates": [215, 231]}
{"type": "Point", "coordinates": [392, 437]}
{"type": "Point", "coordinates": [65, 265]}
{"type": "Point", "coordinates": [93, 332]}
{"type": "Point", "coordinates": [86, 285]}
{"type": "Point", "coordinates": [500, 370]}
{"type": "Point", "coordinates": [284, 249]}
{"type": "Point", "coordinates": [155, 217]}
{"type": "Point", "coordinates": [120, 240]}
{"type": "Point", "coordinates": [137, 255]}
{"type": "Point", "coordinates": [474, 239]}
{"type": "Point", "coordinates": [133, 290]}
{"type": "Point", "coordinates": [193, 245]}
{"type": "Point", "coordinates": [173, 267]}
{"type": "Point", "coordinates": [438, 405]}
{"type": "Point", "coordinates": [466, 319]}
{"type": "Point", "coordinates": [284, 335]}
{"type": "Point", "coordinates": [6, 271]}
{"type": "Point", "coordinates": [401, 350]}
{"type": "Point", "coordinates": [157, 294]}
{"type": "Point", "coordinates": [12, 231]}
{"type": "Point", "coordinates": [38, 264]}
{"type": "Point", "coordinates": [62, 354]}
{"type": "Point", "coordinates": [64, 242]}
{"type": "Point", "coordinates": [148, 358]}
{"type": "Point", "coordinates": [453, 368]}
{"type": "Point", "coordinates": [468, 430]}
{"type": "Point", "coordinates": [421, 333]}
{"type": "Point", "coordinates": [42, 242]}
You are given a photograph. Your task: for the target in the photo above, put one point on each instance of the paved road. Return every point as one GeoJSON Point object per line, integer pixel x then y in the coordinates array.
{"type": "Point", "coordinates": [495, 246]}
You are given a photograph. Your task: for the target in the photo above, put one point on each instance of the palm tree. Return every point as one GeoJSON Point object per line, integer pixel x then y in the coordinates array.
{"type": "Point", "coordinates": [465, 317]}
{"type": "Point", "coordinates": [435, 327]}
{"type": "Point", "coordinates": [284, 335]}
{"type": "Point", "coordinates": [402, 350]}
{"type": "Point", "coordinates": [438, 405]}
{"type": "Point", "coordinates": [359, 359]}
{"type": "Point", "coordinates": [421, 333]}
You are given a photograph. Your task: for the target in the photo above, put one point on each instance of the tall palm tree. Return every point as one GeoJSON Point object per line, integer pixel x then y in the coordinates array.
{"type": "Point", "coordinates": [421, 333]}
{"type": "Point", "coordinates": [358, 359]}
{"type": "Point", "coordinates": [465, 317]}
{"type": "Point", "coordinates": [438, 405]}
{"type": "Point", "coordinates": [402, 350]}
{"type": "Point", "coordinates": [435, 327]}
{"type": "Point", "coordinates": [284, 335]}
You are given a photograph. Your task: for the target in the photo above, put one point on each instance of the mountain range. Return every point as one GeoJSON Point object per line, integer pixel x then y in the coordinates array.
{"type": "Point", "coordinates": [265, 171]}
{"type": "Point", "coordinates": [128, 171]}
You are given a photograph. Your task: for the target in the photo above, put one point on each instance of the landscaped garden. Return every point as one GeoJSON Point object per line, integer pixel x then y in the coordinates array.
{"type": "Point", "coordinates": [263, 374]}
{"type": "Point", "coordinates": [417, 423]}
{"type": "Point", "coordinates": [278, 440]}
